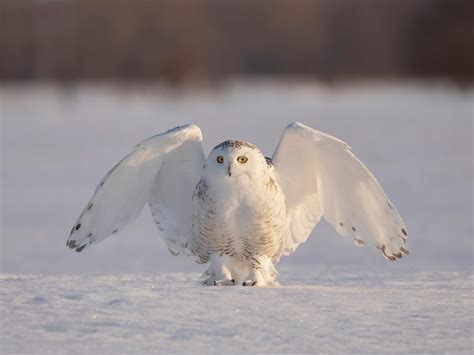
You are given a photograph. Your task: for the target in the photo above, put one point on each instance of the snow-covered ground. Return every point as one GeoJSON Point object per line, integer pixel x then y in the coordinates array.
{"type": "Point", "coordinates": [128, 294]}
{"type": "Point", "coordinates": [169, 313]}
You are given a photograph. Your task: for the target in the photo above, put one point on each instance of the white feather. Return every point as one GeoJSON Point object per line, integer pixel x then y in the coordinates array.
{"type": "Point", "coordinates": [126, 188]}
{"type": "Point", "coordinates": [321, 177]}
{"type": "Point", "coordinates": [171, 196]}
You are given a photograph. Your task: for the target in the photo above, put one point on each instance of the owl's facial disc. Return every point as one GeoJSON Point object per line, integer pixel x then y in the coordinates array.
{"type": "Point", "coordinates": [235, 160]}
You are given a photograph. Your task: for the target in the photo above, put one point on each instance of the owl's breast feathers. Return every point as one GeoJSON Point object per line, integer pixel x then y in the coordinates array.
{"type": "Point", "coordinates": [238, 222]}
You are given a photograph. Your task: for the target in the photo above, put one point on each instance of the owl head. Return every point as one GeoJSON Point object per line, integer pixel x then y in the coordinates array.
{"type": "Point", "coordinates": [236, 159]}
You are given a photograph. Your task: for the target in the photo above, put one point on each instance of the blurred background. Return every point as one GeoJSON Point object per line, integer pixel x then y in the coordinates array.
{"type": "Point", "coordinates": [211, 40]}
{"type": "Point", "coordinates": [82, 81]}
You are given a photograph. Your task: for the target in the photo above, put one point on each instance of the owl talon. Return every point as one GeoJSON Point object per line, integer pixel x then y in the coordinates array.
{"type": "Point", "coordinates": [219, 282]}
{"type": "Point", "coordinates": [249, 283]}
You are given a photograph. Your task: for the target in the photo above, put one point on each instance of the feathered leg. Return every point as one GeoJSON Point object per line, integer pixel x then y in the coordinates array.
{"type": "Point", "coordinates": [262, 272]}
{"type": "Point", "coordinates": [219, 272]}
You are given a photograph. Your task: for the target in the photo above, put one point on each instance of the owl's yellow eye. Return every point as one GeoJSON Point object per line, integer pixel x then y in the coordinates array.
{"type": "Point", "coordinates": [242, 159]}
{"type": "Point", "coordinates": [220, 159]}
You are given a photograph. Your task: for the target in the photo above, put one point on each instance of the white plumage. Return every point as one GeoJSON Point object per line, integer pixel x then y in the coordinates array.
{"type": "Point", "coordinates": [237, 210]}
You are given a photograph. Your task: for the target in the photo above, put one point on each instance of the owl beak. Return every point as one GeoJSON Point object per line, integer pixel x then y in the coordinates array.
{"type": "Point", "coordinates": [229, 172]}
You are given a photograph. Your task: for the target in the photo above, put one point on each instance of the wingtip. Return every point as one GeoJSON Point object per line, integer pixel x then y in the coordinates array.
{"type": "Point", "coordinates": [296, 125]}
{"type": "Point", "coordinates": [393, 256]}
{"type": "Point", "coordinates": [73, 245]}
{"type": "Point", "coordinates": [78, 250]}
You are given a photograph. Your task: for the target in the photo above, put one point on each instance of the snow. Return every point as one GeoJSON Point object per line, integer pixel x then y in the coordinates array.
{"type": "Point", "coordinates": [168, 313]}
{"type": "Point", "coordinates": [129, 295]}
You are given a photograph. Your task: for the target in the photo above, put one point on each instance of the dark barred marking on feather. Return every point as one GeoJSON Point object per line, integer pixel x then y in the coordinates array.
{"type": "Point", "coordinates": [389, 257]}
{"type": "Point", "coordinates": [213, 235]}
{"type": "Point", "coordinates": [174, 253]}
{"type": "Point", "coordinates": [71, 244]}
{"type": "Point", "coordinates": [80, 248]}
{"type": "Point", "coordinates": [405, 251]}
{"type": "Point", "coordinates": [255, 259]}
{"type": "Point", "coordinates": [393, 257]}
{"type": "Point", "coordinates": [235, 144]}
{"type": "Point", "coordinates": [91, 239]}
{"type": "Point", "coordinates": [271, 184]}
{"type": "Point", "coordinates": [398, 256]}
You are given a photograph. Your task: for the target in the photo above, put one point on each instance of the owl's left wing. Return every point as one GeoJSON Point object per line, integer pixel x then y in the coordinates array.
{"type": "Point", "coordinates": [321, 177]}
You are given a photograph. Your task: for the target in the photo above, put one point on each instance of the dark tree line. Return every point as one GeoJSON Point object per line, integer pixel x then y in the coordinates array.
{"type": "Point", "coordinates": [214, 39]}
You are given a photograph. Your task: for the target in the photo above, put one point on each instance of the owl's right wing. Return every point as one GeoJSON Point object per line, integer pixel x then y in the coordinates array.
{"type": "Point", "coordinates": [321, 177]}
{"type": "Point", "coordinates": [162, 171]}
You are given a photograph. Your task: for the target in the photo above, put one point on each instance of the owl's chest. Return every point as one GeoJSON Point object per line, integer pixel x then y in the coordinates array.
{"type": "Point", "coordinates": [231, 216]}
{"type": "Point", "coordinates": [233, 201]}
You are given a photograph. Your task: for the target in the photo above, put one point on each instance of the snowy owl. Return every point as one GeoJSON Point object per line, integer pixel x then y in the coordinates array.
{"type": "Point", "coordinates": [237, 210]}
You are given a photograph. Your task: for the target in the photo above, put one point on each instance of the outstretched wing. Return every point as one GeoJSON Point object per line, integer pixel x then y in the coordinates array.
{"type": "Point", "coordinates": [163, 170]}
{"type": "Point", "coordinates": [321, 177]}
